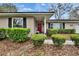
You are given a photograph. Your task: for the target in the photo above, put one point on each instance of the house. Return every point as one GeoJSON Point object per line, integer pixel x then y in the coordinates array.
{"type": "Point", "coordinates": [64, 24]}
{"type": "Point", "coordinates": [36, 21]}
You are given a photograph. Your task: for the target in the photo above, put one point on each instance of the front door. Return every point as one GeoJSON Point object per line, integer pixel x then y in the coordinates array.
{"type": "Point", "coordinates": [39, 26]}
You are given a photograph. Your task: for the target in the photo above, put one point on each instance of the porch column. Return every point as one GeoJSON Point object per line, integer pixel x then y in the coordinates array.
{"type": "Point", "coordinates": [44, 25]}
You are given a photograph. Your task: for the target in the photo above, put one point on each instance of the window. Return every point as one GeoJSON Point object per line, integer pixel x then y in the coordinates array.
{"type": "Point", "coordinates": [51, 25]}
{"type": "Point", "coordinates": [17, 22]}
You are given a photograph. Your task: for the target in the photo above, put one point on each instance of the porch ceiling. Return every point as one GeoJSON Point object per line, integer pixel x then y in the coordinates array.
{"type": "Point", "coordinates": [25, 14]}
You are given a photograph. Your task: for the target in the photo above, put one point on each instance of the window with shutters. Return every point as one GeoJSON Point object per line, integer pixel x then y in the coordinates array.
{"type": "Point", "coordinates": [17, 22]}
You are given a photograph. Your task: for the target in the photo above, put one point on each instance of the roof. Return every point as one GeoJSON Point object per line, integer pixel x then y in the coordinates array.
{"type": "Point", "coordinates": [26, 12]}
{"type": "Point", "coordinates": [23, 14]}
{"type": "Point", "coordinates": [68, 20]}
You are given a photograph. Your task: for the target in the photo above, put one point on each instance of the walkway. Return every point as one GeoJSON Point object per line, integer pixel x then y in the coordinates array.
{"type": "Point", "coordinates": [49, 41]}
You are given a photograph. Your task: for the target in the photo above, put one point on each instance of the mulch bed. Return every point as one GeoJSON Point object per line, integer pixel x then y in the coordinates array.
{"type": "Point", "coordinates": [7, 46]}
{"type": "Point", "coordinates": [51, 50]}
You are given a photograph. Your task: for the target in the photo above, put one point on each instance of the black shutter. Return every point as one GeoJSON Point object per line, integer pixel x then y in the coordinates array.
{"type": "Point", "coordinates": [63, 25]}
{"type": "Point", "coordinates": [9, 22]}
{"type": "Point", "coordinates": [48, 25]}
{"type": "Point", "coordinates": [24, 22]}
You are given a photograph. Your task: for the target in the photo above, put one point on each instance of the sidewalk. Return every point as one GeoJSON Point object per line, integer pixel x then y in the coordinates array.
{"type": "Point", "coordinates": [49, 41]}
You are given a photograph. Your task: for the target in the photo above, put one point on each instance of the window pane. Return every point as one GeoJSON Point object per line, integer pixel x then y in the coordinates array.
{"type": "Point", "coordinates": [18, 22]}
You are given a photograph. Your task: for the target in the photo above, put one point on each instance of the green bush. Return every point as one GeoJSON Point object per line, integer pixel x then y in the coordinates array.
{"type": "Point", "coordinates": [18, 34]}
{"type": "Point", "coordinates": [58, 39]}
{"type": "Point", "coordinates": [2, 33]}
{"type": "Point", "coordinates": [60, 31]}
{"type": "Point", "coordinates": [51, 31]}
{"type": "Point", "coordinates": [75, 38]}
{"type": "Point", "coordinates": [38, 39]}
{"type": "Point", "coordinates": [66, 31]}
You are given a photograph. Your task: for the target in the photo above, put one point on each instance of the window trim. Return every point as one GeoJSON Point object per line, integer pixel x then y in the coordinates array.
{"type": "Point", "coordinates": [15, 18]}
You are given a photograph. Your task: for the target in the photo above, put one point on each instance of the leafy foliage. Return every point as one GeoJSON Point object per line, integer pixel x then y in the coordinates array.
{"type": "Point", "coordinates": [18, 34]}
{"type": "Point", "coordinates": [60, 31]}
{"type": "Point", "coordinates": [75, 38]}
{"type": "Point", "coordinates": [52, 31]}
{"type": "Point", "coordinates": [66, 31]}
{"type": "Point", "coordinates": [8, 7]}
{"type": "Point", "coordinates": [38, 39]}
{"type": "Point", "coordinates": [2, 33]}
{"type": "Point", "coordinates": [58, 39]}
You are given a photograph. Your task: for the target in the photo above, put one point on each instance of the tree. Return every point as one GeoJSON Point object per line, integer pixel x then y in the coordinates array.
{"type": "Point", "coordinates": [60, 9]}
{"type": "Point", "coordinates": [8, 7]}
{"type": "Point", "coordinates": [74, 14]}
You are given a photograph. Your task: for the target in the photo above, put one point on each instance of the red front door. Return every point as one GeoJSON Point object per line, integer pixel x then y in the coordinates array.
{"type": "Point", "coordinates": [39, 27]}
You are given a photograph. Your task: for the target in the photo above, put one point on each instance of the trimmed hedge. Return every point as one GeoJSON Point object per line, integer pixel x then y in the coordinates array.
{"type": "Point", "coordinates": [75, 38]}
{"type": "Point", "coordinates": [58, 39]}
{"type": "Point", "coordinates": [2, 33]}
{"type": "Point", "coordinates": [51, 31]}
{"type": "Point", "coordinates": [38, 39]}
{"type": "Point", "coordinates": [18, 34]}
{"type": "Point", "coordinates": [66, 31]}
{"type": "Point", "coordinates": [60, 31]}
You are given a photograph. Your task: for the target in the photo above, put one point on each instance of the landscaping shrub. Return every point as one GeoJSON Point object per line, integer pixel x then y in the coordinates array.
{"type": "Point", "coordinates": [75, 38]}
{"type": "Point", "coordinates": [2, 33]}
{"type": "Point", "coordinates": [51, 31]}
{"type": "Point", "coordinates": [66, 31]}
{"type": "Point", "coordinates": [60, 31]}
{"type": "Point", "coordinates": [18, 34]}
{"type": "Point", "coordinates": [58, 39]}
{"type": "Point", "coordinates": [38, 39]}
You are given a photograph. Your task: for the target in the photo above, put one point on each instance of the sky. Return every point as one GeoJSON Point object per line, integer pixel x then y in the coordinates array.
{"type": "Point", "coordinates": [32, 7]}
{"type": "Point", "coordinates": [37, 7]}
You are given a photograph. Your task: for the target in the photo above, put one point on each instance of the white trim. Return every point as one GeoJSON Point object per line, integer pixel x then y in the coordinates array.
{"type": "Point", "coordinates": [44, 25]}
